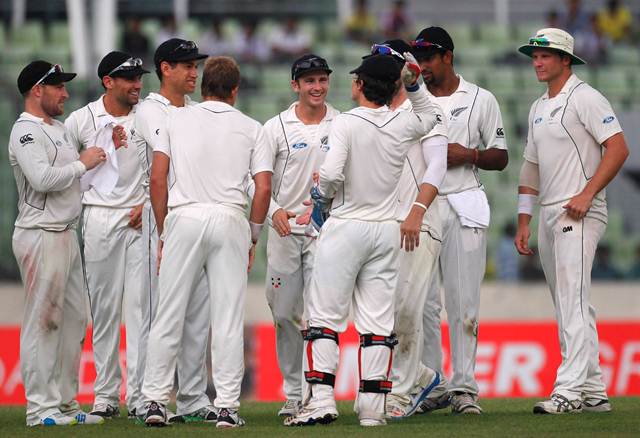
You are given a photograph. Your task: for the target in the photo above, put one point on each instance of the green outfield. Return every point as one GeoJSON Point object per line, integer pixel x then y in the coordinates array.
{"type": "Point", "coordinates": [502, 418]}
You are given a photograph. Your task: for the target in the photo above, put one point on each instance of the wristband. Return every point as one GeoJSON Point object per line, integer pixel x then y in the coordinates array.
{"type": "Point", "coordinates": [526, 203]}
{"type": "Point", "coordinates": [255, 231]}
{"type": "Point", "coordinates": [420, 204]}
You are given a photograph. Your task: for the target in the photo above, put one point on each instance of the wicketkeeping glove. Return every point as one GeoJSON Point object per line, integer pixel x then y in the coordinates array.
{"type": "Point", "coordinates": [321, 207]}
{"type": "Point", "coordinates": [410, 74]}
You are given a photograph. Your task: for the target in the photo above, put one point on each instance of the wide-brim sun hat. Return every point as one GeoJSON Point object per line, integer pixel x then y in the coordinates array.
{"type": "Point", "coordinates": [554, 39]}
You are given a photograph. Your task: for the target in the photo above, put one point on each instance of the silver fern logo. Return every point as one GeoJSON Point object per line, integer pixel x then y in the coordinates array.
{"type": "Point", "coordinates": [457, 111]}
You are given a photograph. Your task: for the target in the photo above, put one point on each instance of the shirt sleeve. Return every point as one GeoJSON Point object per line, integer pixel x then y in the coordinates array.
{"type": "Point", "coordinates": [440, 129]}
{"type": "Point", "coordinates": [161, 137]}
{"type": "Point", "coordinates": [426, 114]}
{"type": "Point", "coordinates": [73, 131]}
{"type": "Point", "coordinates": [150, 123]}
{"type": "Point", "coordinates": [596, 114]}
{"type": "Point", "coordinates": [261, 160]}
{"type": "Point", "coordinates": [27, 143]}
{"type": "Point", "coordinates": [332, 170]}
{"type": "Point", "coordinates": [530, 148]}
{"type": "Point", "coordinates": [491, 126]}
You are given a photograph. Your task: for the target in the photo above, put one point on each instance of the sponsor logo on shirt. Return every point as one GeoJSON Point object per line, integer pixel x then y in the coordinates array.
{"type": "Point", "coordinates": [300, 145]}
{"type": "Point", "coordinates": [26, 139]}
{"type": "Point", "coordinates": [538, 120]}
{"type": "Point", "coordinates": [500, 132]}
{"type": "Point", "coordinates": [438, 119]}
{"type": "Point", "coordinates": [324, 144]}
{"type": "Point", "coordinates": [608, 119]}
{"type": "Point", "coordinates": [158, 131]}
{"type": "Point", "coordinates": [457, 111]}
{"type": "Point", "coordinates": [567, 229]}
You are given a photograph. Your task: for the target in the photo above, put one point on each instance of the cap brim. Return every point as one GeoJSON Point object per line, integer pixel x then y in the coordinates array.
{"type": "Point", "coordinates": [58, 78]}
{"type": "Point", "coordinates": [313, 70]}
{"type": "Point", "coordinates": [129, 73]}
{"type": "Point", "coordinates": [527, 49]}
{"type": "Point", "coordinates": [187, 57]}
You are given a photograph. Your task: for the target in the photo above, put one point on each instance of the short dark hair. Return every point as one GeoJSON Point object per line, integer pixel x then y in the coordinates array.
{"type": "Point", "coordinates": [159, 69]}
{"type": "Point", "coordinates": [221, 75]}
{"type": "Point", "coordinates": [377, 91]}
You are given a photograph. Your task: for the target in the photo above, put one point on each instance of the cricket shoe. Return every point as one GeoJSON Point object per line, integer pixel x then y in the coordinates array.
{"type": "Point", "coordinates": [558, 404]}
{"type": "Point", "coordinates": [290, 408]}
{"type": "Point", "coordinates": [105, 410]}
{"type": "Point", "coordinates": [395, 407]}
{"type": "Point", "coordinates": [156, 415]}
{"type": "Point", "coordinates": [131, 414]}
{"type": "Point", "coordinates": [174, 418]}
{"type": "Point", "coordinates": [55, 419]}
{"type": "Point", "coordinates": [372, 422]}
{"type": "Point", "coordinates": [228, 418]}
{"type": "Point", "coordinates": [596, 405]}
{"type": "Point", "coordinates": [84, 418]}
{"type": "Point", "coordinates": [207, 414]}
{"type": "Point", "coordinates": [317, 411]}
{"type": "Point", "coordinates": [465, 403]}
{"type": "Point", "coordinates": [430, 379]}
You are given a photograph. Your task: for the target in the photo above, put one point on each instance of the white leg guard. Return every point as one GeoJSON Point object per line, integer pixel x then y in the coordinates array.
{"type": "Point", "coordinates": [374, 366]}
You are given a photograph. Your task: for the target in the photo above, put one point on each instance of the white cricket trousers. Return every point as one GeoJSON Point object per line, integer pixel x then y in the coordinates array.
{"type": "Point", "coordinates": [567, 249]}
{"type": "Point", "coordinates": [55, 319]}
{"type": "Point", "coordinates": [192, 359]}
{"type": "Point", "coordinates": [289, 265]}
{"type": "Point", "coordinates": [113, 269]}
{"type": "Point", "coordinates": [216, 239]}
{"type": "Point", "coordinates": [414, 277]}
{"type": "Point", "coordinates": [356, 262]}
{"type": "Point", "coordinates": [460, 271]}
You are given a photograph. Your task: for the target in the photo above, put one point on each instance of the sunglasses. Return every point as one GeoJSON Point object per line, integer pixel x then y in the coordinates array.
{"type": "Point", "coordinates": [129, 64]}
{"type": "Point", "coordinates": [425, 44]}
{"type": "Point", "coordinates": [381, 49]}
{"type": "Point", "coordinates": [56, 68]}
{"type": "Point", "coordinates": [539, 41]}
{"type": "Point", "coordinates": [310, 63]}
{"type": "Point", "coordinates": [187, 45]}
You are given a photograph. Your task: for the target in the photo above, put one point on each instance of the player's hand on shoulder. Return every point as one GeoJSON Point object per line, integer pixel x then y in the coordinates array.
{"type": "Point", "coordinates": [280, 221]}
{"type": "Point", "coordinates": [521, 241]}
{"type": "Point", "coordinates": [578, 206]}
{"type": "Point", "coordinates": [92, 157]}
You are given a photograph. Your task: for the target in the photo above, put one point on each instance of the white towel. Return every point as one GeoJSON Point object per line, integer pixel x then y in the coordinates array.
{"type": "Point", "coordinates": [472, 208]}
{"type": "Point", "coordinates": [103, 177]}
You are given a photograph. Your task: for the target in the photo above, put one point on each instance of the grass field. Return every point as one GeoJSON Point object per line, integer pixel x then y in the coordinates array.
{"type": "Point", "coordinates": [502, 418]}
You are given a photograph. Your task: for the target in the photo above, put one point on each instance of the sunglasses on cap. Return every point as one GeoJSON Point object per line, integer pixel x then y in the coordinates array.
{"type": "Point", "coordinates": [187, 45]}
{"type": "Point", "coordinates": [129, 64]}
{"type": "Point", "coordinates": [539, 41]}
{"type": "Point", "coordinates": [425, 44]}
{"type": "Point", "coordinates": [310, 63]}
{"type": "Point", "coordinates": [56, 68]}
{"type": "Point", "coordinates": [381, 49]}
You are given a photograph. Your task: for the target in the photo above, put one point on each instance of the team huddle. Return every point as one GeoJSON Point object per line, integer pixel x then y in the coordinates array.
{"type": "Point", "coordinates": [379, 209]}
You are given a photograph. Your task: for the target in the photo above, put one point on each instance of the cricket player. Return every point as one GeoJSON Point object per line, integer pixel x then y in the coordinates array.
{"type": "Point", "coordinates": [176, 62]}
{"type": "Point", "coordinates": [474, 120]}
{"type": "Point", "coordinates": [412, 381]}
{"type": "Point", "coordinates": [211, 148]}
{"type": "Point", "coordinates": [111, 234]}
{"type": "Point", "coordinates": [298, 139]}
{"type": "Point", "coordinates": [47, 169]}
{"type": "Point", "coordinates": [357, 250]}
{"type": "Point", "coordinates": [575, 147]}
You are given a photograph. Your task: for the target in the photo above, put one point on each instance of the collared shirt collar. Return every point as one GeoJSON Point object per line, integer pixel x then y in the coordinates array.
{"type": "Point", "coordinates": [100, 109]}
{"type": "Point", "coordinates": [217, 106]}
{"type": "Point", "coordinates": [571, 82]}
{"type": "Point", "coordinates": [463, 86]}
{"type": "Point", "coordinates": [31, 117]}
{"type": "Point", "coordinates": [160, 98]}
{"type": "Point", "coordinates": [289, 115]}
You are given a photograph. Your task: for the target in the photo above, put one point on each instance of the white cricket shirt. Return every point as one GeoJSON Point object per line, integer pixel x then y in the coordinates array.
{"type": "Point", "coordinates": [473, 120]}
{"type": "Point", "coordinates": [47, 172]}
{"type": "Point", "coordinates": [367, 152]}
{"type": "Point", "coordinates": [412, 173]}
{"type": "Point", "coordinates": [297, 150]}
{"type": "Point", "coordinates": [82, 125]}
{"type": "Point", "coordinates": [212, 147]}
{"type": "Point", "coordinates": [565, 137]}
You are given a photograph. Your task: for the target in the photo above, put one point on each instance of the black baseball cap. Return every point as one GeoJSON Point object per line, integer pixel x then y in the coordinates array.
{"type": "Point", "coordinates": [380, 67]}
{"type": "Point", "coordinates": [177, 50]}
{"type": "Point", "coordinates": [431, 39]}
{"type": "Point", "coordinates": [309, 63]}
{"type": "Point", "coordinates": [42, 72]}
{"type": "Point", "coordinates": [120, 65]}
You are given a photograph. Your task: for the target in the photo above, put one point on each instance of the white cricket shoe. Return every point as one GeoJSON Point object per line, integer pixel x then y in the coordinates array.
{"type": "Point", "coordinates": [55, 419]}
{"type": "Point", "coordinates": [316, 411]}
{"type": "Point", "coordinates": [429, 380]}
{"type": "Point", "coordinates": [396, 406]}
{"type": "Point", "coordinates": [228, 418]}
{"type": "Point", "coordinates": [372, 422]}
{"type": "Point", "coordinates": [105, 410]}
{"type": "Point", "coordinates": [290, 408]}
{"type": "Point", "coordinates": [465, 403]}
{"type": "Point", "coordinates": [558, 404]}
{"type": "Point", "coordinates": [84, 418]}
{"type": "Point", "coordinates": [596, 405]}
{"type": "Point", "coordinates": [156, 415]}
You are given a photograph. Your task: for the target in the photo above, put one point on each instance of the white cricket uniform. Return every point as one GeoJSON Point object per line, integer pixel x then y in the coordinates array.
{"type": "Point", "coordinates": [474, 120]}
{"type": "Point", "coordinates": [47, 172]}
{"type": "Point", "coordinates": [297, 150]}
{"type": "Point", "coordinates": [357, 250]}
{"type": "Point", "coordinates": [113, 259]}
{"type": "Point", "coordinates": [212, 147]}
{"type": "Point", "coordinates": [565, 137]}
{"type": "Point", "coordinates": [149, 126]}
{"type": "Point", "coordinates": [416, 269]}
